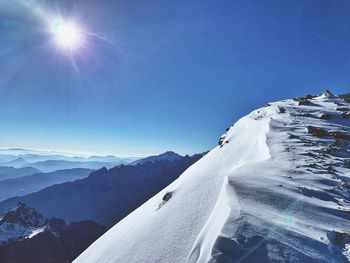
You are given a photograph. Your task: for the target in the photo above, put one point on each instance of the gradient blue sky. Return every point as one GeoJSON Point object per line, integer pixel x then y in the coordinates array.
{"type": "Point", "coordinates": [167, 75]}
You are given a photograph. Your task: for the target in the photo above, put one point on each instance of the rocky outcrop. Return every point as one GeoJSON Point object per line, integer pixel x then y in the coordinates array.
{"type": "Point", "coordinates": [27, 236]}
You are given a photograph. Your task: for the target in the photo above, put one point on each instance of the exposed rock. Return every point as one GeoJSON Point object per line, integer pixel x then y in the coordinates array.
{"type": "Point", "coordinates": [340, 135]}
{"type": "Point", "coordinates": [345, 115]}
{"type": "Point", "coordinates": [326, 116]}
{"type": "Point", "coordinates": [344, 109]}
{"type": "Point", "coordinates": [318, 132]}
{"type": "Point", "coordinates": [281, 109]}
{"type": "Point", "coordinates": [222, 140]}
{"type": "Point", "coordinates": [345, 185]}
{"type": "Point", "coordinates": [23, 215]}
{"type": "Point", "coordinates": [167, 196]}
{"type": "Point", "coordinates": [33, 238]}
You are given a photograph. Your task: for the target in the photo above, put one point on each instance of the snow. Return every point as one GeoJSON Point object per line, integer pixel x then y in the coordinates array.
{"type": "Point", "coordinates": [10, 232]}
{"type": "Point", "coordinates": [347, 251]}
{"type": "Point", "coordinates": [21, 222]}
{"type": "Point", "coordinates": [35, 232]}
{"type": "Point", "coordinates": [271, 192]}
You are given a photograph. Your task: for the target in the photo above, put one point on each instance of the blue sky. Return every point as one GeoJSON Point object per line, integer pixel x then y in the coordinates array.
{"type": "Point", "coordinates": [162, 75]}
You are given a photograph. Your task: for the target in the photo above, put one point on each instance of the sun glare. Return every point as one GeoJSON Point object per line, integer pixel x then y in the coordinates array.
{"type": "Point", "coordinates": [68, 35]}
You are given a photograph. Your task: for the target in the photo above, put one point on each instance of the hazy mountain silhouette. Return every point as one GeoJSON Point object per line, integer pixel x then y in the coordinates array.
{"type": "Point", "coordinates": [54, 165]}
{"type": "Point", "coordinates": [106, 196]}
{"type": "Point", "coordinates": [7, 172]}
{"type": "Point", "coordinates": [170, 156]}
{"type": "Point", "coordinates": [32, 183]}
{"type": "Point", "coordinates": [17, 163]}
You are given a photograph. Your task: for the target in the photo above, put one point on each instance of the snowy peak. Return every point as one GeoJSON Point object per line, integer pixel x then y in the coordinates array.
{"type": "Point", "coordinates": [26, 236]}
{"type": "Point", "coordinates": [327, 94]}
{"type": "Point", "coordinates": [20, 223]}
{"type": "Point", "coordinates": [276, 189]}
{"type": "Point", "coordinates": [23, 215]}
{"type": "Point", "coordinates": [168, 156]}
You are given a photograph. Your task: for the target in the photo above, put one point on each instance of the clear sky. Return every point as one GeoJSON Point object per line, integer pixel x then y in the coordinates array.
{"type": "Point", "coordinates": [157, 75]}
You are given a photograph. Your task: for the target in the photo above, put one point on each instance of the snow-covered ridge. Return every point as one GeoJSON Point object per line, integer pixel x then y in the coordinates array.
{"type": "Point", "coordinates": [276, 189]}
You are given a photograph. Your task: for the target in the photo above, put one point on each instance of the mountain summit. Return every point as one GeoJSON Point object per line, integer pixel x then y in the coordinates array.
{"type": "Point", "coordinates": [27, 236]}
{"type": "Point", "coordinates": [275, 189]}
{"type": "Point", "coordinates": [169, 156]}
{"type": "Point", "coordinates": [327, 94]}
{"type": "Point", "coordinates": [21, 222]}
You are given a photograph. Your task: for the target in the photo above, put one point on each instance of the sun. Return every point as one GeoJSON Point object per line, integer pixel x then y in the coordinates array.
{"type": "Point", "coordinates": [68, 35]}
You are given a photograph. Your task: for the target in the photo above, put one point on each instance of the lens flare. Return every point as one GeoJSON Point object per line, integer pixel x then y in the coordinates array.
{"type": "Point", "coordinates": [68, 35]}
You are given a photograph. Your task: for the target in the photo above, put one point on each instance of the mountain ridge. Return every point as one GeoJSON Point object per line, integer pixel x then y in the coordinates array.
{"type": "Point", "coordinates": [274, 189]}
{"type": "Point", "coordinates": [124, 186]}
{"type": "Point", "coordinates": [27, 236]}
{"type": "Point", "coordinates": [168, 155]}
{"type": "Point", "coordinates": [24, 185]}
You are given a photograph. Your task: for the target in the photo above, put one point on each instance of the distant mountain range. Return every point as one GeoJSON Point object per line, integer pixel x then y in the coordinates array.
{"type": "Point", "coordinates": [53, 161]}
{"type": "Point", "coordinates": [106, 196]}
{"type": "Point", "coordinates": [170, 156]}
{"type": "Point", "coordinates": [54, 165]}
{"type": "Point", "coordinates": [27, 236]}
{"type": "Point", "coordinates": [7, 172]}
{"type": "Point", "coordinates": [24, 171]}
{"type": "Point", "coordinates": [20, 186]}
{"type": "Point", "coordinates": [17, 163]}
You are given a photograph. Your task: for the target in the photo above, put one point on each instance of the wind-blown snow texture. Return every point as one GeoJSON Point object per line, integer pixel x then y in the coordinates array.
{"type": "Point", "coordinates": [275, 190]}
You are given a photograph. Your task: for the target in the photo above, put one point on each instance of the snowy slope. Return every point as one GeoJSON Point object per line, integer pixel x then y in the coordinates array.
{"type": "Point", "coordinates": [275, 190]}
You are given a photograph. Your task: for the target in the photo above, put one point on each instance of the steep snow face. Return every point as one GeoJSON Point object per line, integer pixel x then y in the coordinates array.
{"type": "Point", "coordinates": [276, 189]}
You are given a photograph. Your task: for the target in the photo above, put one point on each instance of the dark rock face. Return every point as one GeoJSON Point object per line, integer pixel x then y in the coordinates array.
{"type": "Point", "coordinates": [345, 97]}
{"type": "Point", "coordinates": [167, 196]}
{"type": "Point", "coordinates": [326, 116]}
{"type": "Point", "coordinates": [25, 216]}
{"type": "Point", "coordinates": [106, 196]}
{"type": "Point", "coordinates": [341, 135]}
{"type": "Point", "coordinates": [318, 132]}
{"type": "Point", "coordinates": [345, 115]}
{"type": "Point", "coordinates": [54, 242]}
